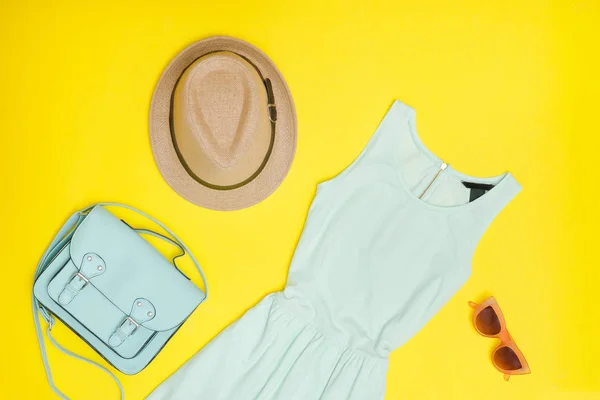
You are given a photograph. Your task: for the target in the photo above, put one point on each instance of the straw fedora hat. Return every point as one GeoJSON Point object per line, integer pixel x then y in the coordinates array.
{"type": "Point", "coordinates": [222, 124]}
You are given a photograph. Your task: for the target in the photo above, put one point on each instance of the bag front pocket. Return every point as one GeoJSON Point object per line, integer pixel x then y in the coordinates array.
{"type": "Point", "coordinates": [98, 314]}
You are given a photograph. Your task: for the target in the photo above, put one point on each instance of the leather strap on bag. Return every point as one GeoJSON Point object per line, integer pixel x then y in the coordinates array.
{"type": "Point", "coordinates": [61, 238]}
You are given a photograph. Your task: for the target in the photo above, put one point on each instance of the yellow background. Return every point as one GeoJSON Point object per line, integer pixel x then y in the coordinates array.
{"type": "Point", "coordinates": [497, 85]}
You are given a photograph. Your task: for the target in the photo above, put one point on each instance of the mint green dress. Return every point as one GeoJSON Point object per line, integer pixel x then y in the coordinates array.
{"type": "Point", "coordinates": [386, 244]}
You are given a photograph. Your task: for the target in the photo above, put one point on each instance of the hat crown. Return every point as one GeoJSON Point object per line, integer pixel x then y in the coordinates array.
{"type": "Point", "coordinates": [220, 118]}
{"type": "Point", "coordinates": [219, 114]}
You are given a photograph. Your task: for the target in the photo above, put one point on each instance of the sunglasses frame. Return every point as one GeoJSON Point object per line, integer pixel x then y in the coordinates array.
{"type": "Point", "coordinates": [505, 339]}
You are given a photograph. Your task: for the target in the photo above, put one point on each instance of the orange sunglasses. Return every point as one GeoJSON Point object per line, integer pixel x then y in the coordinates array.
{"type": "Point", "coordinates": [489, 322]}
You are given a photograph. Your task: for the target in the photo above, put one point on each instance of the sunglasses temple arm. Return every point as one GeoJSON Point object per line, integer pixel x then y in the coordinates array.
{"type": "Point", "coordinates": [473, 305]}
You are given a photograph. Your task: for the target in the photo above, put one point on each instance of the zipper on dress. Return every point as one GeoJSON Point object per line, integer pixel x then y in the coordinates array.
{"type": "Point", "coordinates": [443, 166]}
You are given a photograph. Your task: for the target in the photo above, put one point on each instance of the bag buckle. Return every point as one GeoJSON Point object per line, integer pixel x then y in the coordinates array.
{"type": "Point", "coordinates": [77, 282]}
{"type": "Point", "coordinates": [132, 322]}
{"type": "Point", "coordinates": [81, 278]}
{"type": "Point", "coordinates": [142, 311]}
{"type": "Point", "coordinates": [91, 266]}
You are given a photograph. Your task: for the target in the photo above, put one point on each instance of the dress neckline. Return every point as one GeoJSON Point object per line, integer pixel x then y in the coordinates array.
{"type": "Point", "coordinates": [498, 181]}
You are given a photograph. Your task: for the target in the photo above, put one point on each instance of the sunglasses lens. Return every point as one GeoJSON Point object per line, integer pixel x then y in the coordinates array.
{"type": "Point", "coordinates": [507, 359]}
{"type": "Point", "coordinates": [488, 322]}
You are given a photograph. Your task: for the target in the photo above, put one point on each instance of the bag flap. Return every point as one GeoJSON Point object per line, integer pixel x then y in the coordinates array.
{"type": "Point", "coordinates": [134, 269]}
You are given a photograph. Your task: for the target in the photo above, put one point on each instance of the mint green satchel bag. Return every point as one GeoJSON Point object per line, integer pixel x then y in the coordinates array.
{"type": "Point", "coordinates": [111, 287]}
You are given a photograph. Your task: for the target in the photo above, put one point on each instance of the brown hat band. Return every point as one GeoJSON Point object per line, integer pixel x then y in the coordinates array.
{"type": "Point", "coordinates": [272, 118]}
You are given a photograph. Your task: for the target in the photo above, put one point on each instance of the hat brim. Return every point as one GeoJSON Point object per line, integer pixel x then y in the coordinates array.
{"type": "Point", "coordinates": [165, 155]}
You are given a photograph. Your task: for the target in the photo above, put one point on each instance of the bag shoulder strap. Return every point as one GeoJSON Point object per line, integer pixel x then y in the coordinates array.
{"type": "Point", "coordinates": [40, 336]}
{"type": "Point", "coordinates": [63, 236]}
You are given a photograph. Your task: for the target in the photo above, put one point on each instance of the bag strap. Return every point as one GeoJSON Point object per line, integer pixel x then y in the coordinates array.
{"type": "Point", "coordinates": [142, 231]}
{"type": "Point", "coordinates": [62, 237]}
{"type": "Point", "coordinates": [65, 351]}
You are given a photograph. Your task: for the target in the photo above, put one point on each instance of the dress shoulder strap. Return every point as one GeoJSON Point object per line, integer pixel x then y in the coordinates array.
{"type": "Point", "coordinates": [384, 144]}
{"type": "Point", "coordinates": [483, 213]}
